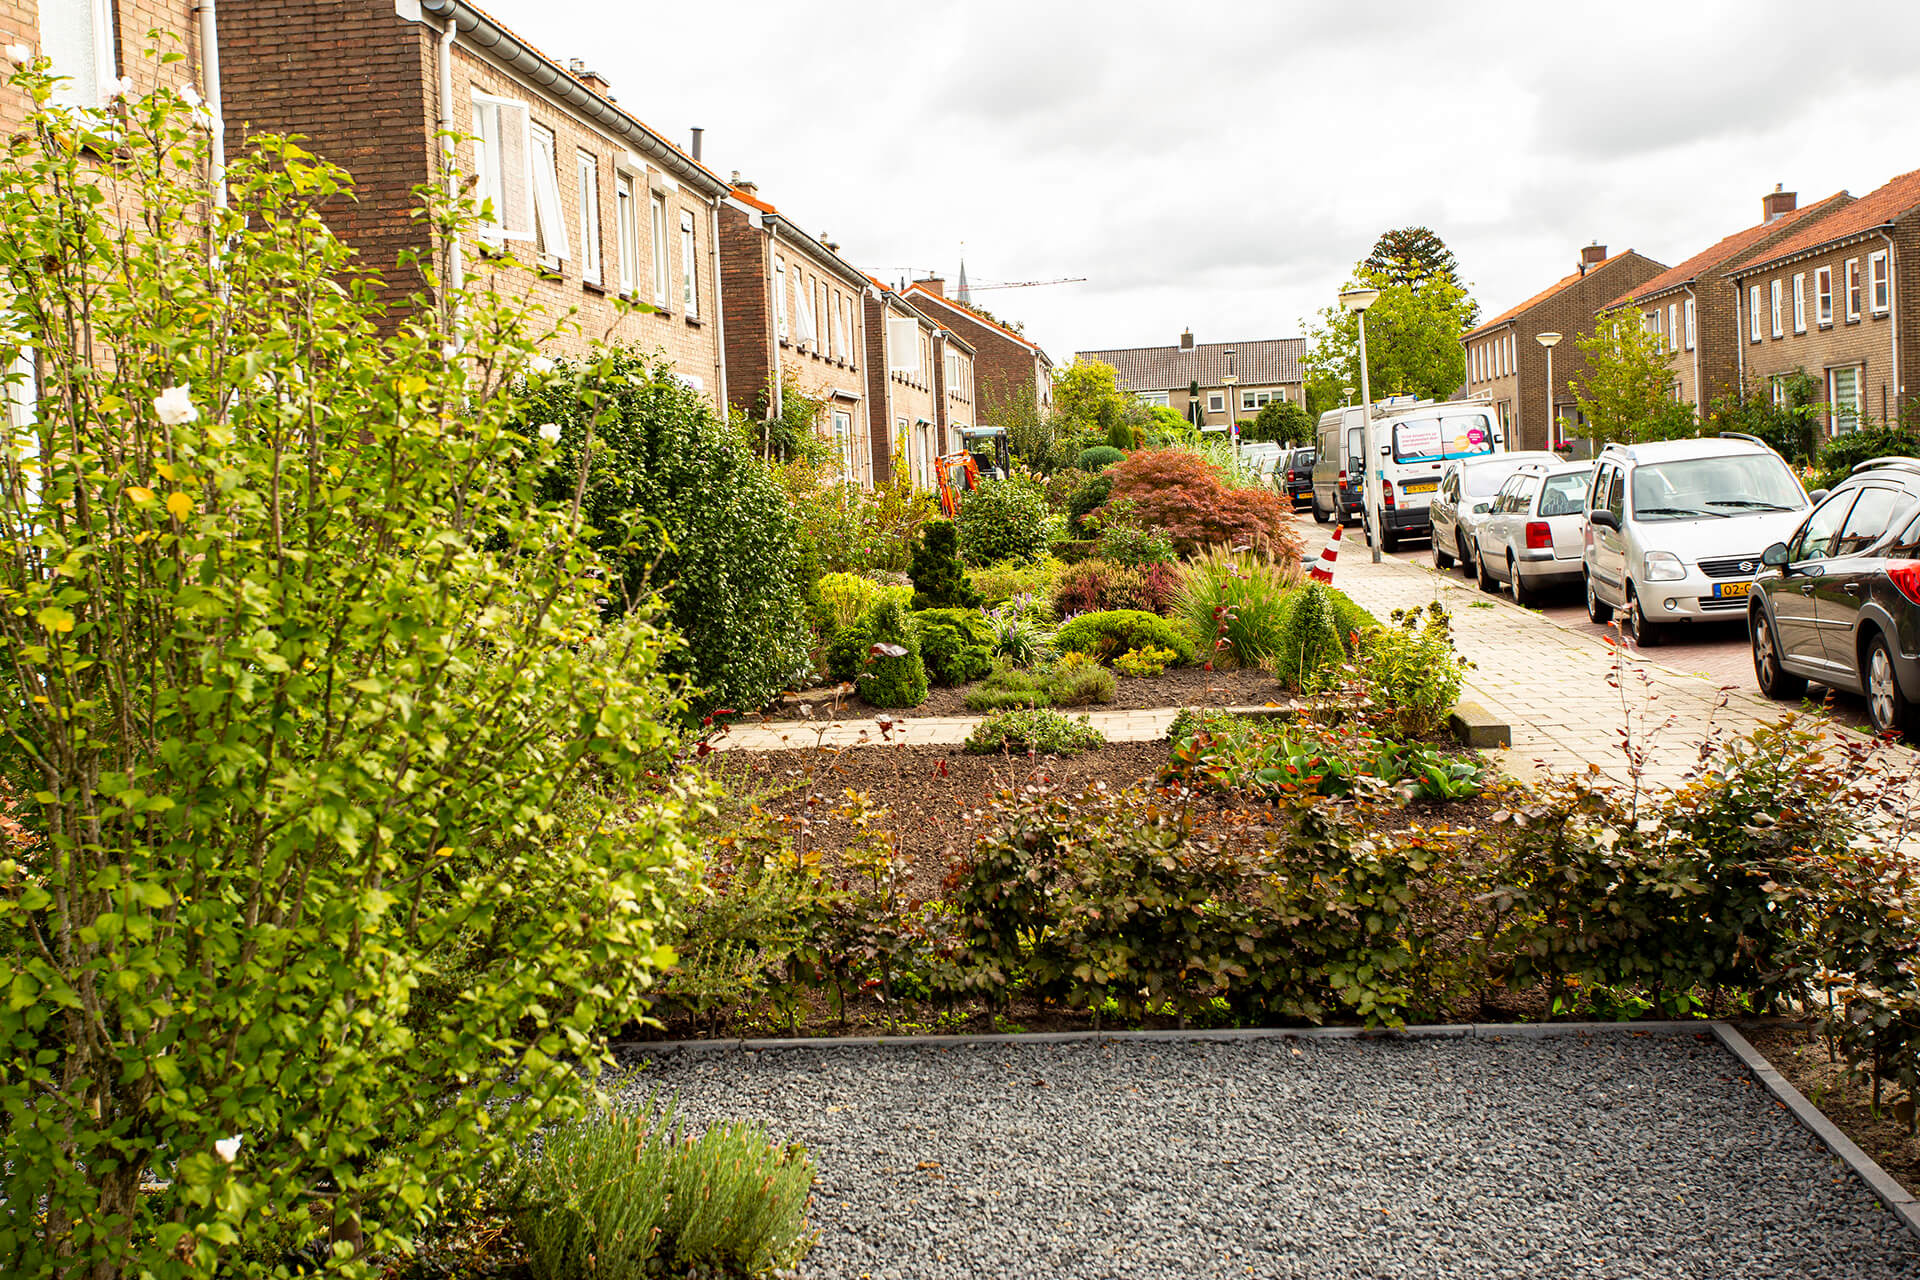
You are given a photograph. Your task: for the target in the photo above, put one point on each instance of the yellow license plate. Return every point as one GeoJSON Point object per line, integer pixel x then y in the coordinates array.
{"type": "Point", "coordinates": [1425, 487]}
{"type": "Point", "coordinates": [1724, 590]}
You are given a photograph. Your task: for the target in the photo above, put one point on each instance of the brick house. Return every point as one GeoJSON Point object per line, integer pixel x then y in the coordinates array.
{"type": "Point", "coordinates": [793, 307]}
{"type": "Point", "coordinates": [1007, 367]}
{"type": "Point", "coordinates": [1263, 370]}
{"type": "Point", "coordinates": [902, 397]}
{"type": "Point", "coordinates": [954, 364]}
{"type": "Point", "coordinates": [93, 42]}
{"type": "Point", "coordinates": [1690, 306]}
{"type": "Point", "coordinates": [1507, 364]}
{"type": "Point", "coordinates": [588, 205]}
{"type": "Point", "coordinates": [1828, 300]}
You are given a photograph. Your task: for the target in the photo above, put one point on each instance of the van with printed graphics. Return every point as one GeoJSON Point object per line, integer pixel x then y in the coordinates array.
{"type": "Point", "coordinates": [1414, 441]}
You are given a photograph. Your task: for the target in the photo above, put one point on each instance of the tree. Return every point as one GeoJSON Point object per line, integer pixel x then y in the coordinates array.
{"type": "Point", "coordinates": [1412, 256]}
{"type": "Point", "coordinates": [1413, 340]}
{"type": "Point", "coordinates": [345, 849]}
{"type": "Point", "coordinates": [1087, 397]}
{"type": "Point", "coordinates": [1029, 431]}
{"type": "Point", "coordinates": [1282, 421]}
{"type": "Point", "coordinates": [1788, 421]}
{"type": "Point", "coordinates": [1627, 391]}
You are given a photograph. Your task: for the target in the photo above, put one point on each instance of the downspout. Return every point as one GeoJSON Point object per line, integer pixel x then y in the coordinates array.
{"type": "Point", "coordinates": [1699, 391]}
{"type": "Point", "coordinates": [773, 330]}
{"type": "Point", "coordinates": [456, 257]}
{"type": "Point", "coordinates": [719, 312]}
{"type": "Point", "coordinates": [1893, 323]}
{"type": "Point", "coordinates": [210, 73]}
{"type": "Point", "coordinates": [1739, 336]}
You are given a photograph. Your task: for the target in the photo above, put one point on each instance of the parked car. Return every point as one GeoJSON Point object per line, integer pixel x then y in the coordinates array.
{"type": "Point", "coordinates": [1675, 528]}
{"type": "Point", "coordinates": [1335, 489]}
{"type": "Point", "coordinates": [1298, 477]}
{"type": "Point", "coordinates": [1535, 535]}
{"type": "Point", "coordinates": [1464, 498]}
{"type": "Point", "coordinates": [1839, 600]}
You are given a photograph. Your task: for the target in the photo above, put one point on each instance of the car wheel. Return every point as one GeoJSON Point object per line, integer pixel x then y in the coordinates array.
{"type": "Point", "coordinates": [1389, 540]}
{"type": "Point", "coordinates": [1319, 516]}
{"type": "Point", "coordinates": [1487, 583]}
{"type": "Point", "coordinates": [1645, 632]}
{"type": "Point", "coordinates": [1597, 609]}
{"type": "Point", "coordinates": [1442, 558]}
{"type": "Point", "coordinates": [1887, 707]}
{"type": "Point", "coordinates": [1522, 593]}
{"type": "Point", "coordinates": [1466, 556]}
{"type": "Point", "coordinates": [1775, 680]}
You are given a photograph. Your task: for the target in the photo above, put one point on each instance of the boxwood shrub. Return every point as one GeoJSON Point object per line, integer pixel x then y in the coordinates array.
{"type": "Point", "coordinates": [956, 644]}
{"type": "Point", "coordinates": [1004, 520]}
{"type": "Point", "coordinates": [1099, 457]}
{"type": "Point", "coordinates": [1108, 635]}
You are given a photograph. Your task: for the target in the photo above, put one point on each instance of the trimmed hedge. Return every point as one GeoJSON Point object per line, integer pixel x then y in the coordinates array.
{"type": "Point", "coordinates": [1099, 457]}
{"type": "Point", "coordinates": [956, 644]}
{"type": "Point", "coordinates": [1109, 634]}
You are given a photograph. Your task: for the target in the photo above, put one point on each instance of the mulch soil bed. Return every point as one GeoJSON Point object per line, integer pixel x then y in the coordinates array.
{"type": "Point", "coordinates": [1799, 1054]}
{"type": "Point", "coordinates": [1176, 687]}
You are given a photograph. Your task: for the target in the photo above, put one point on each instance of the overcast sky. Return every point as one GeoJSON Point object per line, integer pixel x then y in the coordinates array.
{"type": "Point", "coordinates": [1223, 165]}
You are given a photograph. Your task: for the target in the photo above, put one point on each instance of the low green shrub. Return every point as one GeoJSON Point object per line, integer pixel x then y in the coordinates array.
{"type": "Point", "coordinates": [956, 644]}
{"type": "Point", "coordinates": [1099, 457]}
{"type": "Point", "coordinates": [939, 581]}
{"type": "Point", "coordinates": [625, 1191]}
{"type": "Point", "coordinates": [1019, 636]}
{"type": "Point", "coordinates": [1318, 628]}
{"type": "Point", "coordinates": [1036, 730]}
{"type": "Point", "coordinates": [845, 596]}
{"type": "Point", "coordinates": [1840, 455]}
{"type": "Point", "coordinates": [1058, 684]}
{"type": "Point", "coordinates": [999, 583]}
{"type": "Point", "coordinates": [1082, 686]}
{"type": "Point", "coordinates": [1109, 634]}
{"type": "Point", "coordinates": [1074, 550]}
{"type": "Point", "coordinates": [1138, 663]}
{"type": "Point", "coordinates": [1004, 520]}
{"type": "Point", "coordinates": [1084, 501]}
{"type": "Point", "coordinates": [1411, 672]}
{"type": "Point", "coordinates": [863, 653]}
{"type": "Point", "coordinates": [1272, 759]}
{"type": "Point", "coordinates": [1238, 602]}
{"type": "Point", "coordinates": [1123, 542]}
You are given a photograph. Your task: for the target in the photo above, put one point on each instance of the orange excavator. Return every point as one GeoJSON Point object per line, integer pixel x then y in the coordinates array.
{"type": "Point", "coordinates": [985, 453]}
{"type": "Point", "coordinates": [955, 469]}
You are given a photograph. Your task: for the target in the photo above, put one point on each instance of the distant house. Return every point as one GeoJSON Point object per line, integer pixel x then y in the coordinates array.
{"type": "Point", "coordinates": [1691, 307]}
{"type": "Point", "coordinates": [1006, 366]}
{"type": "Point", "coordinates": [1233, 380]}
{"type": "Point", "coordinates": [1506, 362]}
{"type": "Point", "coordinates": [1832, 300]}
{"type": "Point", "coordinates": [594, 203]}
{"type": "Point", "coordinates": [795, 319]}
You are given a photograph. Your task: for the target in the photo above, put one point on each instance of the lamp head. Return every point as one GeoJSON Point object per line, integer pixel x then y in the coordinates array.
{"type": "Point", "coordinates": [1358, 299]}
{"type": "Point", "coordinates": [1547, 339]}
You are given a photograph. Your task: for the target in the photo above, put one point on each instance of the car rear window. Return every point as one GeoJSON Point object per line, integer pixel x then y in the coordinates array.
{"type": "Point", "coordinates": [1565, 495]}
{"type": "Point", "coordinates": [1485, 481]}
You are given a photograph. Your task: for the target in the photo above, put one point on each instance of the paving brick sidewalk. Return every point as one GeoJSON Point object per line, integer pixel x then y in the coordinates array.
{"type": "Point", "coordinates": [783, 735]}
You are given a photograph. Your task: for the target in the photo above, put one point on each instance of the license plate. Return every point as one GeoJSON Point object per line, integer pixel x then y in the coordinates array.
{"type": "Point", "coordinates": [1724, 590]}
{"type": "Point", "coordinates": [1427, 486]}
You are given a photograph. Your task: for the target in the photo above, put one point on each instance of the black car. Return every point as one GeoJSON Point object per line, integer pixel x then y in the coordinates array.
{"type": "Point", "coordinates": [1839, 601]}
{"type": "Point", "coordinates": [1298, 465]}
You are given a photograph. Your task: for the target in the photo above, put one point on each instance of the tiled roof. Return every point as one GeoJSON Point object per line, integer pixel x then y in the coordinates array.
{"type": "Point", "coordinates": [973, 315]}
{"type": "Point", "coordinates": [741, 195]}
{"type": "Point", "coordinates": [1262, 363]}
{"type": "Point", "coordinates": [1538, 298]}
{"type": "Point", "coordinates": [1875, 209]}
{"type": "Point", "coordinates": [1726, 250]}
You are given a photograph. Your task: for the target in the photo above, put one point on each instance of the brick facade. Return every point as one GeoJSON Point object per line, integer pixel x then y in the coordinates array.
{"type": "Point", "coordinates": [1006, 365]}
{"type": "Point", "coordinates": [132, 20]}
{"type": "Point", "coordinates": [1566, 307]}
{"type": "Point", "coordinates": [905, 414]}
{"type": "Point", "coordinates": [290, 65]}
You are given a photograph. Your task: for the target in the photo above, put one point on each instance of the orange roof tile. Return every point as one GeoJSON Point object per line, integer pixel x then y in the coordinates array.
{"type": "Point", "coordinates": [973, 315]}
{"type": "Point", "coordinates": [1875, 209]}
{"type": "Point", "coordinates": [1540, 297]}
{"type": "Point", "coordinates": [755, 201]}
{"type": "Point", "coordinates": [1725, 250]}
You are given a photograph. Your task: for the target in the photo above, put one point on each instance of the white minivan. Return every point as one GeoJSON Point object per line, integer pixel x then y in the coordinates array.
{"type": "Point", "coordinates": [1415, 444]}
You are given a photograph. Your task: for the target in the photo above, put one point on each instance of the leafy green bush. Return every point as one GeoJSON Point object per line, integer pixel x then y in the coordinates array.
{"type": "Point", "coordinates": [845, 596]}
{"type": "Point", "coordinates": [323, 689]}
{"type": "Point", "coordinates": [1107, 635]}
{"type": "Point", "coordinates": [1143, 662]}
{"type": "Point", "coordinates": [1317, 630]}
{"type": "Point", "coordinates": [1085, 500]}
{"type": "Point", "coordinates": [625, 1190]}
{"type": "Point", "coordinates": [1059, 684]}
{"type": "Point", "coordinates": [1126, 543]}
{"type": "Point", "coordinates": [939, 581]}
{"type": "Point", "coordinates": [881, 654]}
{"type": "Point", "coordinates": [999, 583]}
{"type": "Point", "coordinates": [957, 644]}
{"type": "Point", "coordinates": [1238, 602]}
{"type": "Point", "coordinates": [1098, 458]}
{"type": "Point", "coordinates": [1273, 759]}
{"type": "Point", "coordinates": [1841, 454]}
{"type": "Point", "coordinates": [1035, 730]}
{"type": "Point", "coordinates": [1004, 520]}
{"type": "Point", "coordinates": [1411, 671]}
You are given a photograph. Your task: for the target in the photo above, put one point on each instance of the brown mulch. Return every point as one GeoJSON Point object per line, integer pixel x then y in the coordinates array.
{"type": "Point", "coordinates": [1175, 687]}
{"type": "Point", "coordinates": [1799, 1054]}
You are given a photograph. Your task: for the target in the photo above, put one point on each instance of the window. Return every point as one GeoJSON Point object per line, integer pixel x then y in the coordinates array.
{"type": "Point", "coordinates": [78, 36]}
{"type": "Point", "coordinates": [1673, 326]}
{"type": "Point", "coordinates": [1879, 288]}
{"type": "Point", "coordinates": [661, 250]}
{"type": "Point", "coordinates": [627, 227]}
{"type": "Point", "coordinates": [1753, 313]}
{"type": "Point", "coordinates": [1868, 520]}
{"type": "Point", "coordinates": [1773, 302]}
{"type": "Point", "coordinates": [1151, 397]}
{"type": "Point", "coordinates": [1816, 536]}
{"type": "Point", "coordinates": [1853, 289]}
{"type": "Point", "coordinates": [549, 223]}
{"type": "Point", "coordinates": [1509, 359]}
{"type": "Point", "coordinates": [1777, 385]}
{"type": "Point", "coordinates": [589, 174]}
{"type": "Point", "coordinates": [1844, 399]}
{"type": "Point", "coordinates": [1907, 545]}
{"type": "Point", "coordinates": [1255, 399]}
{"type": "Point", "coordinates": [1693, 325]}
{"type": "Point", "coordinates": [1216, 402]}
{"type": "Point", "coordinates": [1800, 302]}
{"type": "Point", "coordinates": [689, 267]}
{"type": "Point", "coordinates": [804, 332]}
{"type": "Point", "coordinates": [501, 168]}
{"type": "Point", "coordinates": [21, 392]}
{"type": "Point", "coordinates": [825, 339]}
{"type": "Point", "coordinates": [903, 346]}
{"type": "Point", "coordinates": [1823, 296]}
{"type": "Point", "coordinates": [846, 324]}
{"type": "Point", "coordinates": [843, 442]}
{"type": "Point", "coordinates": [1651, 323]}
{"type": "Point", "coordinates": [780, 298]}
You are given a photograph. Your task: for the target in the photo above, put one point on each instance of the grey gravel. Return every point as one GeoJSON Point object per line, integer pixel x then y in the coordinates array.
{"type": "Point", "coordinates": [1591, 1157]}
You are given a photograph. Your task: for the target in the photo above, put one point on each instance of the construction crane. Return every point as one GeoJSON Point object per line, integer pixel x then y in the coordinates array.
{"type": "Point", "coordinates": [1030, 284]}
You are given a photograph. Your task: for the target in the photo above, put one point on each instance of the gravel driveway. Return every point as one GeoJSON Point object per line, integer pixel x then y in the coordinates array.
{"type": "Point", "coordinates": [1591, 1157]}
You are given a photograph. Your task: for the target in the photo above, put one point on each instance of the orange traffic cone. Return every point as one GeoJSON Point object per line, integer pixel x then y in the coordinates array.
{"type": "Point", "coordinates": [1321, 570]}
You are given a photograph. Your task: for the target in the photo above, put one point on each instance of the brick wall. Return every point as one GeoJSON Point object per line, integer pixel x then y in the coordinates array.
{"type": "Point", "coordinates": [905, 415]}
{"type": "Point", "coordinates": [880, 429]}
{"type": "Point", "coordinates": [133, 19]}
{"type": "Point", "coordinates": [1004, 366]}
{"type": "Point", "coordinates": [747, 292]}
{"type": "Point", "coordinates": [1493, 369]}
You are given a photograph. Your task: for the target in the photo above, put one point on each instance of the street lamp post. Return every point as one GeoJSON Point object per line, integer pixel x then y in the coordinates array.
{"type": "Point", "coordinates": [1347, 395]}
{"type": "Point", "coordinates": [1233, 412]}
{"type": "Point", "coordinates": [1357, 301]}
{"type": "Point", "coordinates": [1549, 340]}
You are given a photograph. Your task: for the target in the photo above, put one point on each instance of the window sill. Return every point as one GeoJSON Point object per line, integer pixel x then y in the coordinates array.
{"type": "Point", "coordinates": [695, 322]}
{"type": "Point", "coordinates": [665, 313]}
{"type": "Point", "coordinates": [594, 287]}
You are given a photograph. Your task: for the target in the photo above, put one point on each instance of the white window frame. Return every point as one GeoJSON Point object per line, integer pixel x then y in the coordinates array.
{"type": "Point", "coordinates": [543, 182]}
{"type": "Point", "coordinates": [1823, 296]}
{"type": "Point", "coordinates": [83, 84]}
{"type": "Point", "coordinates": [1848, 422]}
{"type": "Point", "coordinates": [1879, 284]}
{"type": "Point", "coordinates": [587, 179]}
{"type": "Point", "coordinates": [1693, 324]}
{"type": "Point", "coordinates": [903, 346]}
{"type": "Point", "coordinates": [1673, 326]}
{"type": "Point", "coordinates": [1152, 398]}
{"type": "Point", "coordinates": [847, 305]}
{"type": "Point", "coordinates": [1753, 313]}
{"type": "Point", "coordinates": [843, 442]}
{"type": "Point", "coordinates": [626, 204]}
{"type": "Point", "coordinates": [1774, 307]}
{"type": "Point", "coordinates": [21, 397]}
{"type": "Point", "coordinates": [662, 251]}
{"type": "Point", "coordinates": [1216, 402]}
{"type": "Point", "coordinates": [780, 329]}
{"type": "Point", "coordinates": [806, 333]}
{"type": "Point", "coordinates": [1799, 302]}
{"type": "Point", "coordinates": [690, 268]}
{"type": "Point", "coordinates": [502, 145]}
{"type": "Point", "coordinates": [1852, 280]}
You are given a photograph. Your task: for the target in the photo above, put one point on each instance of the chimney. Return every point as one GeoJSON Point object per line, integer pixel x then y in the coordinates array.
{"type": "Point", "coordinates": [1777, 203]}
{"type": "Point", "coordinates": [697, 131]}
{"type": "Point", "coordinates": [741, 185]}
{"type": "Point", "coordinates": [935, 285]}
{"type": "Point", "coordinates": [577, 68]}
{"type": "Point", "coordinates": [826, 238]}
{"type": "Point", "coordinates": [1592, 256]}
{"type": "Point", "coordinates": [1186, 340]}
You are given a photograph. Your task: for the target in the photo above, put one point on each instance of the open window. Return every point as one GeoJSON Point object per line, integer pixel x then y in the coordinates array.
{"type": "Point", "coordinates": [77, 36]}
{"type": "Point", "coordinates": [502, 167]}
{"type": "Point", "coordinates": [689, 268]}
{"type": "Point", "coordinates": [588, 175]}
{"type": "Point", "coordinates": [549, 222]}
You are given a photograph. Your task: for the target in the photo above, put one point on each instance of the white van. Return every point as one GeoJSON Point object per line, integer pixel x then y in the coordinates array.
{"type": "Point", "coordinates": [1415, 444]}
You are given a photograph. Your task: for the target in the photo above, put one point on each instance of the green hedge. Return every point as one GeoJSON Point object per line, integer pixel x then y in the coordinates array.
{"type": "Point", "coordinates": [957, 644]}
{"type": "Point", "coordinates": [1111, 633]}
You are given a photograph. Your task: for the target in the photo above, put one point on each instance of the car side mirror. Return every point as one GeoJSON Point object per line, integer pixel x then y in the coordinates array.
{"type": "Point", "coordinates": [1817, 497]}
{"type": "Point", "coordinates": [1604, 520]}
{"type": "Point", "coordinates": [1775, 556]}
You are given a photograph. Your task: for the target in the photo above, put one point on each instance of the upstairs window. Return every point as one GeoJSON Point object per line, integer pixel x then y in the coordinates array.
{"type": "Point", "coordinates": [689, 267]}
{"type": "Point", "coordinates": [1879, 287]}
{"type": "Point", "coordinates": [1693, 325]}
{"type": "Point", "coordinates": [77, 36]}
{"type": "Point", "coordinates": [502, 169]}
{"type": "Point", "coordinates": [780, 298]}
{"type": "Point", "coordinates": [1823, 296]}
{"type": "Point", "coordinates": [1753, 313]}
{"type": "Point", "coordinates": [662, 252]}
{"type": "Point", "coordinates": [627, 226]}
{"type": "Point", "coordinates": [1773, 301]}
{"type": "Point", "coordinates": [1853, 289]}
{"type": "Point", "coordinates": [588, 177]}
{"type": "Point", "coordinates": [1673, 326]}
{"type": "Point", "coordinates": [549, 224]}
{"type": "Point", "coordinates": [1800, 302]}
{"type": "Point", "coordinates": [903, 346]}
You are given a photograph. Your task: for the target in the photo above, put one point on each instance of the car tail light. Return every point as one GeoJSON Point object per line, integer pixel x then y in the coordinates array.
{"type": "Point", "coordinates": [1343, 477]}
{"type": "Point", "coordinates": [1386, 492]}
{"type": "Point", "coordinates": [1539, 536]}
{"type": "Point", "coordinates": [1906, 576]}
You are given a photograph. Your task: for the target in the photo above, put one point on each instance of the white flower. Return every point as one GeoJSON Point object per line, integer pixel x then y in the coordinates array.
{"type": "Point", "coordinates": [228, 1148]}
{"type": "Point", "coordinates": [550, 432]}
{"type": "Point", "coordinates": [539, 364]}
{"type": "Point", "coordinates": [116, 87]}
{"type": "Point", "coordinates": [175, 407]}
{"type": "Point", "coordinates": [19, 54]}
{"type": "Point", "coordinates": [189, 95]}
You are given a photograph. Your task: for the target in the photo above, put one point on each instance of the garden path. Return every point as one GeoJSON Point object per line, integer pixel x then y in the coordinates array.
{"type": "Point", "coordinates": [850, 731]}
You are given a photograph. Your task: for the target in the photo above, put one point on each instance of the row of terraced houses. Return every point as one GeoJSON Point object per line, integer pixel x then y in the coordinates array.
{"type": "Point", "coordinates": [587, 206]}
{"type": "Point", "coordinates": [1827, 289]}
